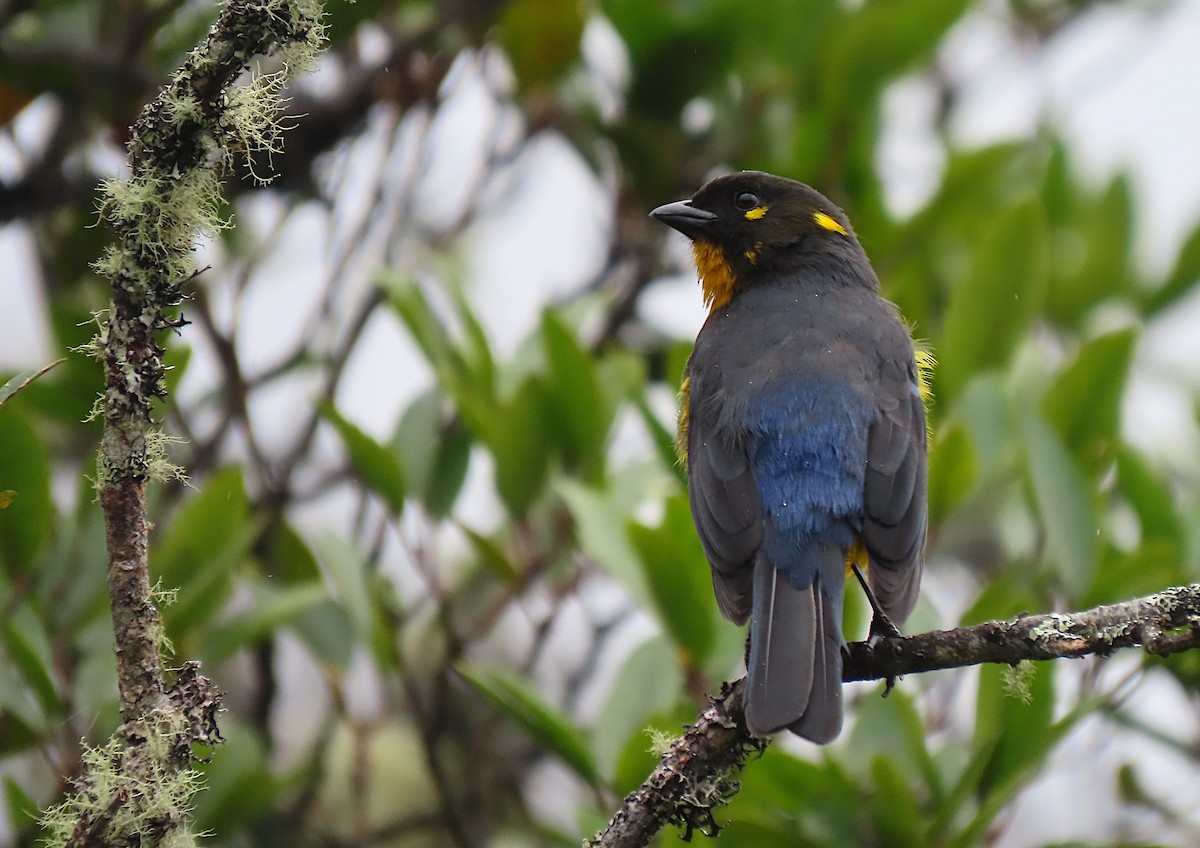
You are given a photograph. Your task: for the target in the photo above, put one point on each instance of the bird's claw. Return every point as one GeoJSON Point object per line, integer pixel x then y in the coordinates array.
{"type": "Point", "coordinates": [882, 628]}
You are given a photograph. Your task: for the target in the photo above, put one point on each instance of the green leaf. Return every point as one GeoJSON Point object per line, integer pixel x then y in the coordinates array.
{"type": "Point", "coordinates": [993, 307]}
{"type": "Point", "coordinates": [1104, 226]}
{"type": "Point", "coordinates": [367, 598]}
{"type": "Point", "coordinates": [1014, 709]}
{"type": "Point", "coordinates": [1004, 595]}
{"type": "Point", "coordinates": [175, 360]}
{"type": "Point", "coordinates": [476, 349]}
{"type": "Point", "coordinates": [23, 811]}
{"type": "Point", "coordinates": [451, 458]}
{"type": "Point", "coordinates": [491, 557]}
{"type": "Point", "coordinates": [94, 683]}
{"type": "Point", "coordinates": [601, 524]}
{"type": "Point", "coordinates": [27, 647]}
{"type": "Point", "coordinates": [202, 545]}
{"type": "Point", "coordinates": [1064, 503]}
{"type": "Point", "coordinates": [953, 470]}
{"type": "Point", "coordinates": [25, 478]}
{"type": "Point", "coordinates": [239, 785]}
{"type": "Point", "coordinates": [289, 556]}
{"type": "Point", "coordinates": [348, 573]}
{"type": "Point", "coordinates": [1014, 737]}
{"type": "Point", "coordinates": [541, 38]}
{"type": "Point", "coordinates": [833, 810]}
{"type": "Point", "coordinates": [25, 724]}
{"type": "Point", "coordinates": [21, 716]}
{"type": "Point", "coordinates": [648, 684]}
{"type": "Point", "coordinates": [577, 401]}
{"type": "Point", "coordinates": [518, 436]}
{"type": "Point", "coordinates": [662, 439]}
{"type": "Point", "coordinates": [1180, 281]}
{"type": "Point", "coordinates": [426, 328]}
{"type": "Point", "coordinates": [327, 629]}
{"type": "Point", "coordinates": [1083, 404]}
{"type": "Point", "coordinates": [1149, 492]}
{"type": "Point", "coordinates": [20, 381]}
{"type": "Point", "coordinates": [272, 609]}
{"type": "Point", "coordinates": [678, 576]}
{"type": "Point", "coordinates": [986, 412]}
{"type": "Point", "coordinates": [469, 379]}
{"type": "Point", "coordinates": [375, 464]}
{"type": "Point", "coordinates": [549, 727]}
{"type": "Point", "coordinates": [1121, 576]}
{"type": "Point", "coordinates": [879, 42]}
{"type": "Point", "coordinates": [434, 450]}
{"type": "Point", "coordinates": [890, 728]}
{"type": "Point", "coordinates": [895, 812]}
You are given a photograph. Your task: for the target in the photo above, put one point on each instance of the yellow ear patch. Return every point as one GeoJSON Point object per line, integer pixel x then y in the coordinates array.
{"type": "Point", "coordinates": [826, 222]}
{"type": "Point", "coordinates": [756, 213]}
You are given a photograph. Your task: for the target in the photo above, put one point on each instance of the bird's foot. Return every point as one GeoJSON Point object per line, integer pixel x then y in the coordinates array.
{"type": "Point", "coordinates": [881, 626]}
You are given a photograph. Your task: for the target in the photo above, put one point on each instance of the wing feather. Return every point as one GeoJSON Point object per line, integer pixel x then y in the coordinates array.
{"type": "Point", "coordinates": [895, 498]}
{"type": "Point", "coordinates": [727, 510]}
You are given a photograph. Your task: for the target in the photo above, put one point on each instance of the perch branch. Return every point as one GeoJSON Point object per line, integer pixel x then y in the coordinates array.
{"type": "Point", "coordinates": [699, 771]}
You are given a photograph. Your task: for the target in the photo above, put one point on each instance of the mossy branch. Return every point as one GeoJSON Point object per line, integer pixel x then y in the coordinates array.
{"type": "Point", "coordinates": [136, 790]}
{"type": "Point", "coordinates": [699, 771]}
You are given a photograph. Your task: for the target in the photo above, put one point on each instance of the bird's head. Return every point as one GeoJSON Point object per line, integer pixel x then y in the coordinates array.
{"type": "Point", "coordinates": [751, 225]}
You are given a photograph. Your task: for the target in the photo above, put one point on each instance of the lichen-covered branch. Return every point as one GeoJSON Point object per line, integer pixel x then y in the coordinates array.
{"type": "Point", "coordinates": [700, 769]}
{"type": "Point", "coordinates": [1164, 623]}
{"type": "Point", "coordinates": [178, 149]}
{"type": "Point", "coordinates": [136, 789]}
{"type": "Point", "coordinates": [698, 773]}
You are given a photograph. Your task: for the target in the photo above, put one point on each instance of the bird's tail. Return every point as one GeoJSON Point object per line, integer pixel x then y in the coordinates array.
{"type": "Point", "coordinates": [795, 663]}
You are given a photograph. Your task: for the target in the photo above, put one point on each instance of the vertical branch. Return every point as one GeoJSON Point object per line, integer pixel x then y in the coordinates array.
{"type": "Point", "coordinates": [137, 789]}
{"type": "Point", "coordinates": [136, 623]}
{"type": "Point", "coordinates": [178, 148]}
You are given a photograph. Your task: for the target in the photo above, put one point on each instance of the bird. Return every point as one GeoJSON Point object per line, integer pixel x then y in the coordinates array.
{"type": "Point", "coordinates": [802, 426]}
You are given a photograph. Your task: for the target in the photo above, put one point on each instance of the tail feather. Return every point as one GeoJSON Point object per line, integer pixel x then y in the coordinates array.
{"type": "Point", "coordinates": [783, 625]}
{"type": "Point", "coordinates": [795, 663]}
{"type": "Point", "coordinates": [822, 719]}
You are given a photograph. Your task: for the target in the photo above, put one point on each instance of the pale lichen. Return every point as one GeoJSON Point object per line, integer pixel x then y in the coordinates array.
{"type": "Point", "coordinates": [1018, 681]}
{"type": "Point", "coordinates": [1053, 628]}
{"type": "Point", "coordinates": [660, 741]}
{"type": "Point", "coordinates": [182, 144]}
{"type": "Point", "coordinates": [129, 795]}
{"type": "Point", "coordinates": [137, 789]}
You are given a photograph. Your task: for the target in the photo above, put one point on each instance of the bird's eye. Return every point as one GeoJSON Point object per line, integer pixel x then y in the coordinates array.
{"type": "Point", "coordinates": [746, 200]}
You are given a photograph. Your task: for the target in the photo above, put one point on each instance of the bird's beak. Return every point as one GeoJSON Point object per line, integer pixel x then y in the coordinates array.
{"type": "Point", "coordinates": [688, 219]}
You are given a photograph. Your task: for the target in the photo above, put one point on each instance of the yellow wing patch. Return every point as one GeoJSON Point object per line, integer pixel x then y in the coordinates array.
{"type": "Point", "coordinates": [827, 222]}
{"type": "Point", "coordinates": [756, 213]}
{"type": "Point", "coordinates": [926, 363]}
{"type": "Point", "coordinates": [681, 423]}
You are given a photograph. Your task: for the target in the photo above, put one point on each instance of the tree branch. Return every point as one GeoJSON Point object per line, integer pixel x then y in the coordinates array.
{"type": "Point", "coordinates": [137, 789]}
{"type": "Point", "coordinates": [699, 771]}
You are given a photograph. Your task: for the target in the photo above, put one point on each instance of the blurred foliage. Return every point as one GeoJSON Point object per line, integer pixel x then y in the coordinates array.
{"type": "Point", "coordinates": [417, 676]}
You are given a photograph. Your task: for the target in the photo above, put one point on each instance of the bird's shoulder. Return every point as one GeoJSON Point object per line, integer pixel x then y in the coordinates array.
{"type": "Point", "coordinates": [791, 331]}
